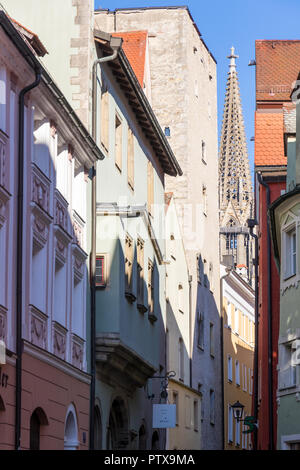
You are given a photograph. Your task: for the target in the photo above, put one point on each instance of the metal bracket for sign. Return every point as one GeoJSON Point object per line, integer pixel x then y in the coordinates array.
{"type": "Point", "coordinates": [164, 385]}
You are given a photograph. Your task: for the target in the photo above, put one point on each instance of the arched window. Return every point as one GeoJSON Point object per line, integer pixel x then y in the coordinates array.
{"type": "Point", "coordinates": [38, 419]}
{"type": "Point", "coordinates": [71, 430]}
{"type": "Point", "coordinates": [142, 438]}
{"type": "Point", "coordinates": [155, 441]}
{"type": "Point", "coordinates": [118, 430]}
{"type": "Point", "coordinates": [98, 430]}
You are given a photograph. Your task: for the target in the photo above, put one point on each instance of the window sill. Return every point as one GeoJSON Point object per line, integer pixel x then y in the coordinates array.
{"type": "Point", "coordinates": [288, 276]}
{"type": "Point", "coordinates": [142, 308]}
{"type": "Point", "coordinates": [130, 297]}
{"type": "Point", "coordinates": [152, 317]}
{"type": "Point", "coordinates": [100, 286]}
{"type": "Point", "coordinates": [200, 347]}
{"type": "Point", "coordinates": [118, 168]}
{"type": "Point", "coordinates": [203, 161]}
{"type": "Point", "coordinates": [131, 186]}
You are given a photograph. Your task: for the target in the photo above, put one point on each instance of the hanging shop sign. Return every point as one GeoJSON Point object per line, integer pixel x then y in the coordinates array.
{"type": "Point", "coordinates": [164, 416]}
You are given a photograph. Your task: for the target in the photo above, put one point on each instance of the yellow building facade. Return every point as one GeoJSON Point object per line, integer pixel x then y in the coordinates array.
{"type": "Point", "coordinates": [237, 300]}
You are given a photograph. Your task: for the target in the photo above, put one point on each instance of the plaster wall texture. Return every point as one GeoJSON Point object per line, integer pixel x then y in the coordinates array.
{"type": "Point", "coordinates": [238, 343]}
{"type": "Point", "coordinates": [184, 98]}
{"type": "Point", "coordinates": [289, 331]}
{"type": "Point", "coordinates": [66, 30]}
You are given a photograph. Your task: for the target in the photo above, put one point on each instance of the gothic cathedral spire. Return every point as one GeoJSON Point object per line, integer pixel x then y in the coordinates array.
{"type": "Point", "coordinates": [235, 188]}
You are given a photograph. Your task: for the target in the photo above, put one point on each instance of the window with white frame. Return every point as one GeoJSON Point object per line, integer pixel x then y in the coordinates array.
{"type": "Point", "coordinates": [229, 319]}
{"type": "Point", "coordinates": [229, 368]}
{"type": "Point", "coordinates": [203, 151]}
{"type": "Point", "coordinates": [237, 432]}
{"type": "Point", "coordinates": [236, 320]}
{"type": "Point", "coordinates": [212, 406]}
{"type": "Point", "coordinates": [181, 359]}
{"type": "Point", "coordinates": [244, 377]}
{"type": "Point", "coordinates": [288, 365]}
{"type": "Point", "coordinates": [237, 373]}
{"type": "Point", "coordinates": [3, 92]}
{"type": "Point", "coordinates": [290, 242]}
{"type": "Point", "coordinates": [230, 424]}
{"type": "Point", "coordinates": [201, 330]}
{"type": "Point", "coordinates": [175, 402]}
{"type": "Point", "coordinates": [250, 381]}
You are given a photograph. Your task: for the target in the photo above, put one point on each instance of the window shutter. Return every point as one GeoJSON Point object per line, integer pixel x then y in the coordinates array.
{"type": "Point", "coordinates": [104, 119]}
{"type": "Point", "coordinates": [130, 159]}
{"type": "Point", "coordinates": [150, 188]}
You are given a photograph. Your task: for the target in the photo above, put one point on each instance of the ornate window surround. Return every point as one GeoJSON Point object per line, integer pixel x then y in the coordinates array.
{"type": "Point", "coordinates": [292, 280]}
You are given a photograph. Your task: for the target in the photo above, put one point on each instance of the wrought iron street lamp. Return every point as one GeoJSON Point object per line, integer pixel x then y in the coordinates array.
{"type": "Point", "coordinates": [238, 411]}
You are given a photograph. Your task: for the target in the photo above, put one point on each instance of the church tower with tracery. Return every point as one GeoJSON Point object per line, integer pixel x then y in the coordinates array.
{"type": "Point", "coordinates": [235, 188]}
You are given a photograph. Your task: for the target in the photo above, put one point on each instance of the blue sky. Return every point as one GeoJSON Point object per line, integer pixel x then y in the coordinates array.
{"type": "Point", "coordinates": [224, 23]}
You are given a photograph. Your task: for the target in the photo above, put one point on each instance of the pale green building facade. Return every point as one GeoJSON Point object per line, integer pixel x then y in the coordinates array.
{"type": "Point", "coordinates": [285, 228]}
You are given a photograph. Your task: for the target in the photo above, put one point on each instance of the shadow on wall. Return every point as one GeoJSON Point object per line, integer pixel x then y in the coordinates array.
{"type": "Point", "coordinates": [56, 261]}
{"type": "Point", "coordinates": [206, 359]}
{"type": "Point", "coordinates": [128, 309]}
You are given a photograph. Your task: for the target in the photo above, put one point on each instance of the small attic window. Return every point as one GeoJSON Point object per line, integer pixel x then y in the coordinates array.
{"type": "Point", "coordinates": [210, 76]}
{"type": "Point", "coordinates": [195, 49]}
{"type": "Point", "coordinates": [167, 132]}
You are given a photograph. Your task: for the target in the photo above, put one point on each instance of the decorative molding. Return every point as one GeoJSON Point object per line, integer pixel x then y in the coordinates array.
{"type": "Point", "coordinates": [40, 225]}
{"type": "Point", "coordinates": [53, 361]}
{"type": "Point", "coordinates": [4, 197]}
{"type": "Point", "coordinates": [79, 258]}
{"type": "Point", "coordinates": [40, 188]}
{"type": "Point", "coordinates": [3, 324]}
{"type": "Point", "coordinates": [61, 211]}
{"type": "Point", "coordinates": [77, 351]}
{"type": "Point", "coordinates": [38, 327]}
{"type": "Point", "coordinates": [119, 364]}
{"type": "Point", "coordinates": [78, 229]}
{"type": "Point", "coordinates": [3, 160]}
{"type": "Point", "coordinates": [59, 338]}
{"type": "Point", "coordinates": [62, 240]}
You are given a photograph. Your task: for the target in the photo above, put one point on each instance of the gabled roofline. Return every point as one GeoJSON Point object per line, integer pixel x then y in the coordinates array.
{"type": "Point", "coordinates": [142, 108]}
{"type": "Point", "coordinates": [183, 7]}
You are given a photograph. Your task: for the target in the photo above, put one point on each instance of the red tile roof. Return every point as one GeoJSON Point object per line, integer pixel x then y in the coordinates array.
{"type": "Point", "coordinates": [134, 46]}
{"type": "Point", "coordinates": [277, 68]}
{"type": "Point", "coordinates": [31, 37]}
{"type": "Point", "coordinates": [269, 142]}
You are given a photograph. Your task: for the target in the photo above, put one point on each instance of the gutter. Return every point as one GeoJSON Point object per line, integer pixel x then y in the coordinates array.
{"type": "Point", "coordinates": [115, 44]}
{"type": "Point", "coordinates": [270, 338]}
{"type": "Point", "coordinates": [19, 264]}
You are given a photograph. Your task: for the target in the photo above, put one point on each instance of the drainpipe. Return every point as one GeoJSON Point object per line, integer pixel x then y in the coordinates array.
{"type": "Point", "coordinates": [190, 330]}
{"type": "Point", "coordinates": [229, 270]}
{"type": "Point", "coordinates": [251, 224]}
{"type": "Point", "coordinates": [115, 44]}
{"type": "Point", "coordinates": [270, 339]}
{"type": "Point", "coordinates": [19, 264]}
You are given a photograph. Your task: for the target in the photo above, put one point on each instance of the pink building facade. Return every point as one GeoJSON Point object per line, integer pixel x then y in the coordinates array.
{"type": "Point", "coordinates": [48, 351]}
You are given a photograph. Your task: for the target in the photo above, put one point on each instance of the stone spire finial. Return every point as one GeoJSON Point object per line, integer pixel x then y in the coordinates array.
{"type": "Point", "coordinates": [235, 186]}
{"type": "Point", "coordinates": [232, 58]}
